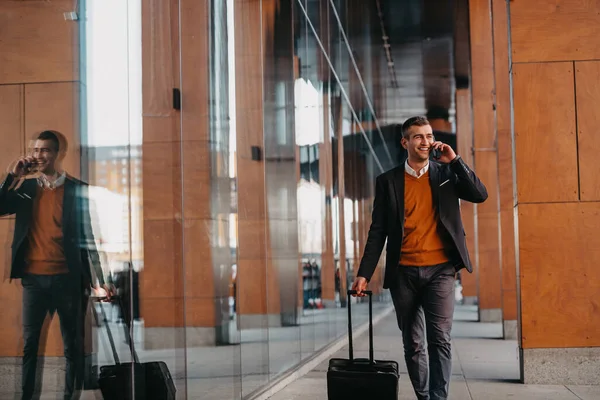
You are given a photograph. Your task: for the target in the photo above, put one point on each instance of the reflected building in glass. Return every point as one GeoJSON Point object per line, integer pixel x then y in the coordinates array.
{"type": "Point", "coordinates": [231, 148]}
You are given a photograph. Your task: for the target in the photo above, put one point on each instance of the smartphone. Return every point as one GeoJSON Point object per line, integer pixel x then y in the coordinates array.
{"type": "Point", "coordinates": [436, 153]}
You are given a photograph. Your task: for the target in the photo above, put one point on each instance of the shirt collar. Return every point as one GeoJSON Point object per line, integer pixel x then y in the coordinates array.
{"type": "Point", "coordinates": [48, 183]}
{"type": "Point", "coordinates": [414, 173]}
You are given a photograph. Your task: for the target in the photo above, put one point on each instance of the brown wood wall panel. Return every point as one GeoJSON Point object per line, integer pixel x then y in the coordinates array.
{"type": "Point", "coordinates": [37, 44]}
{"type": "Point", "coordinates": [558, 241]}
{"type": "Point", "coordinates": [161, 129]}
{"type": "Point", "coordinates": [253, 240]}
{"type": "Point", "coordinates": [12, 122]}
{"type": "Point", "coordinates": [482, 74]}
{"type": "Point", "coordinates": [464, 138]}
{"type": "Point", "coordinates": [198, 253]}
{"type": "Point", "coordinates": [251, 289]}
{"type": "Point", "coordinates": [326, 172]}
{"type": "Point", "coordinates": [200, 311]}
{"type": "Point", "coordinates": [545, 137]}
{"type": "Point", "coordinates": [505, 165]}
{"type": "Point", "coordinates": [250, 187]}
{"type": "Point", "coordinates": [464, 125]}
{"type": "Point", "coordinates": [489, 273]}
{"type": "Point", "coordinates": [55, 106]}
{"type": "Point", "coordinates": [197, 180]}
{"type": "Point", "coordinates": [159, 57]}
{"type": "Point", "coordinates": [161, 165]}
{"type": "Point", "coordinates": [551, 30]}
{"type": "Point", "coordinates": [194, 69]}
{"type": "Point", "coordinates": [469, 280]}
{"type": "Point", "coordinates": [164, 312]}
{"type": "Point", "coordinates": [588, 120]}
{"type": "Point", "coordinates": [163, 269]}
{"type": "Point", "coordinates": [11, 343]}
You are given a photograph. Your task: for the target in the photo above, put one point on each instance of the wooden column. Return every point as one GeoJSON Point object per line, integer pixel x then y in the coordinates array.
{"type": "Point", "coordinates": [464, 141]}
{"type": "Point", "coordinates": [556, 93]}
{"type": "Point", "coordinates": [487, 253]}
{"type": "Point", "coordinates": [181, 226]}
{"type": "Point", "coordinates": [252, 230]}
{"type": "Point", "coordinates": [326, 180]}
{"type": "Point", "coordinates": [254, 27]}
{"type": "Point", "coordinates": [505, 170]}
{"type": "Point", "coordinates": [464, 134]}
{"type": "Point", "coordinates": [341, 193]}
{"type": "Point", "coordinates": [206, 207]}
{"type": "Point", "coordinates": [161, 281]}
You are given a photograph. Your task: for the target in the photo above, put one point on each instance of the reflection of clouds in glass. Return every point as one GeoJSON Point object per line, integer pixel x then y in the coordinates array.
{"type": "Point", "coordinates": [308, 118]}
{"type": "Point", "coordinates": [310, 217]}
{"type": "Point", "coordinates": [232, 89]}
{"type": "Point", "coordinates": [107, 208]}
{"type": "Point", "coordinates": [113, 68]}
{"type": "Point", "coordinates": [349, 204]}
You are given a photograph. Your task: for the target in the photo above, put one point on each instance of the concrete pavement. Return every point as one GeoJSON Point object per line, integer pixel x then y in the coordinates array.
{"type": "Point", "coordinates": [485, 366]}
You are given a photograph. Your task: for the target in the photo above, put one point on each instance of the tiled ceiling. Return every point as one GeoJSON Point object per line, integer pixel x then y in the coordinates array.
{"type": "Point", "coordinates": [421, 39]}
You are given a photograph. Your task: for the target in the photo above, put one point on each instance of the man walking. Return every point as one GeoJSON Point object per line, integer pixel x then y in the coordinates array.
{"type": "Point", "coordinates": [53, 253]}
{"type": "Point", "coordinates": [416, 208]}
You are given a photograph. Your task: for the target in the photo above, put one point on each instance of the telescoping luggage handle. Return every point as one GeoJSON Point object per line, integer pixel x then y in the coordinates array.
{"type": "Point", "coordinates": [350, 346]}
{"type": "Point", "coordinates": [100, 300]}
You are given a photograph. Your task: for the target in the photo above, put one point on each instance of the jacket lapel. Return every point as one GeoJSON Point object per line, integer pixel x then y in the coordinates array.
{"type": "Point", "coordinates": [68, 198]}
{"type": "Point", "coordinates": [398, 182]}
{"type": "Point", "coordinates": [434, 182]}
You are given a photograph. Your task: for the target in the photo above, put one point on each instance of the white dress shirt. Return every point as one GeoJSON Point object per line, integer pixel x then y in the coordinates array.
{"type": "Point", "coordinates": [414, 173]}
{"type": "Point", "coordinates": [52, 183]}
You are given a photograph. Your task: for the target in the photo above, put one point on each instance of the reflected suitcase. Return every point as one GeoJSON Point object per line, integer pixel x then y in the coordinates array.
{"type": "Point", "coordinates": [359, 378]}
{"type": "Point", "coordinates": [151, 380]}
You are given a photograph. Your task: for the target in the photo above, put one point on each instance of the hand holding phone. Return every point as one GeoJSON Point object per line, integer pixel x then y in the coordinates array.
{"type": "Point", "coordinates": [436, 153]}
{"type": "Point", "coordinates": [24, 166]}
{"type": "Point", "coordinates": [442, 152]}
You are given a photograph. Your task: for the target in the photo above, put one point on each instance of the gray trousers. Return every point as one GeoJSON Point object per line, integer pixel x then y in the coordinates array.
{"type": "Point", "coordinates": [424, 301]}
{"type": "Point", "coordinates": [43, 294]}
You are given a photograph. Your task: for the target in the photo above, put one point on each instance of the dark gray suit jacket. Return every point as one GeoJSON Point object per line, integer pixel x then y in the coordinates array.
{"type": "Point", "coordinates": [78, 239]}
{"type": "Point", "coordinates": [388, 215]}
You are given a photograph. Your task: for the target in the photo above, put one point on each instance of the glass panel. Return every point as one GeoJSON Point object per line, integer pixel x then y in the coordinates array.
{"type": "Point", "coordinates": [229, 216]}
{"type": "Point", "coordinates": [112, 164]}
{"type": "Point", "coordinates": [210, 202]}
{"type": "Point", "coordinates": [280, 188]}
{"type": "Point", "coordinates": [256, 270]}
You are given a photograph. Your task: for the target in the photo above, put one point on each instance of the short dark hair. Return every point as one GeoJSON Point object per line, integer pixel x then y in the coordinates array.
{"type": "Point", "coordinates": [51, 136]}
{"type": "Point", "coordinates": [413, 121]}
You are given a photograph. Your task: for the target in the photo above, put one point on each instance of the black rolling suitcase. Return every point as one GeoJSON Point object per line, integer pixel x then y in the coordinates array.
{"type": "Point", "coordinates": [361, 378]}
{"type": "Point", "coordinates": [151, 380]}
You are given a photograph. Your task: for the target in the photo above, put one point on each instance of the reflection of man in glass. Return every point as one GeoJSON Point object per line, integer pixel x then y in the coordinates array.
{"type": "Point", "coordinates": [53, 252]}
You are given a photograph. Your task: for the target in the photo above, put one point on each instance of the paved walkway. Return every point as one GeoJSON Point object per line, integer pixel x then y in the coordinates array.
{"type": "Point", "coordinates": [485, 367]}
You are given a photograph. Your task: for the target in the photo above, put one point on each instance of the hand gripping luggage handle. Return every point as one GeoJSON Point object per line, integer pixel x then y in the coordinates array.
{"type": "Point", "coordinates": [350, 345]}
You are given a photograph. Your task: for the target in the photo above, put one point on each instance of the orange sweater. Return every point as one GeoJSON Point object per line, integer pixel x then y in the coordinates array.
{"type": "Point", "coordinates": [45, 255]}
{"type": "Point", "coordinates": [422, 244]}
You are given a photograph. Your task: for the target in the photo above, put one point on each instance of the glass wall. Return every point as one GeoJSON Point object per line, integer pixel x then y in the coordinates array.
{"type": "Point", "coordinates": [229, 150]}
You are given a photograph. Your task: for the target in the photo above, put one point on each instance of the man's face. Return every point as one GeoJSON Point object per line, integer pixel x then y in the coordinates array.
{"type": "Point", "coordinates": [418, 144]}
{"type": "Point", "coordinates": [45, 154]}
